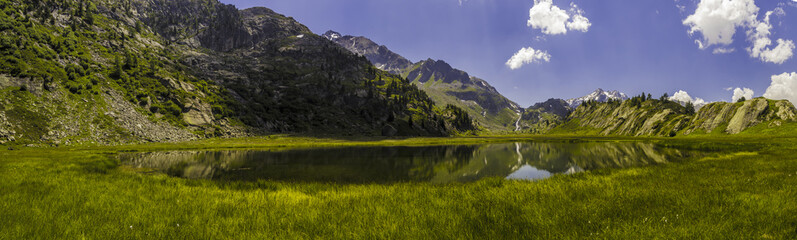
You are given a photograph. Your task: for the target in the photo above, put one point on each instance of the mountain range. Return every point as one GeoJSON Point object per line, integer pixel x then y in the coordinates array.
{"type": "Point", "coordinates": [379, 55]}
{"type": "Point", "coordinates": [112, 72]}
{"type": "Point", "coordinates": [641, 116]}
{"type": "Point", "coordinates": [108, 72]}
{"type": "Point", "coordinates": [444, 84]}
{"type": "Point", "coordinates": [598, 95]}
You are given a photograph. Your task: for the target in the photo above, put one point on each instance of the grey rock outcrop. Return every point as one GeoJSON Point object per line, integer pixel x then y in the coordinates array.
{"type": "Point", "coordinates": [379, 55]}
{"type": "Point", "coordinates": [740, 116]}
{"type": "Point", "coordinates": [656, 118]}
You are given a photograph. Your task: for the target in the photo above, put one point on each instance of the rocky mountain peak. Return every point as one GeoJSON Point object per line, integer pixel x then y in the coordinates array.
{"type": "Point", "coordinates": [556, 106]}
{"type": "Point", "coordinates": [380, 56]}
{"type": "Point", "coordinates": [440, 70]}
{"type": "Point", "coordinates": [598, 95]}
{"type": "Point", "coordinates": [331, 35]}
{"type": "Point", "coordinates": [258, 11]}
{"type": "Point", "coordinates": [439, 65]}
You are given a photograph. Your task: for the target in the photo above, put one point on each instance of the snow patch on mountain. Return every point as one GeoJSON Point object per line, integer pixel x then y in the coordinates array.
{"type": "Point", "coordinates": [598, 95]}
{"type": "Point", "coordinates": [331, 35]}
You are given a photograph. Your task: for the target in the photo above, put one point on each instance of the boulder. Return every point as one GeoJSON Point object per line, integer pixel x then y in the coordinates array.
{"type": "Point", "coordinates": [389, 131]}
{"type": "Point", "coordinates": [198, 113]}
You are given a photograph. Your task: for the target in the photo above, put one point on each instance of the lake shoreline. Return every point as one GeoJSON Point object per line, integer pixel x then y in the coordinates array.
{"type": "Point", "coordinates": [83, 192]}
{"type": "Point", "coordinates": [289, 142]}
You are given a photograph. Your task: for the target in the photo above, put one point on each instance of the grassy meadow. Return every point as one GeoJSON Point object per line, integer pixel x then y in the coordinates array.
{"type": "Point", "coordinates": [83, 192]}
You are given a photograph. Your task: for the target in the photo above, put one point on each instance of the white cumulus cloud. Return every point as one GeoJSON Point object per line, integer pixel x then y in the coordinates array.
{"type": "Point", "coordinates": [578, 22]}
{"type": "Point", "coordinates": [738, 93]}
{"type": "Point", "coordinates": [526, 56]}
{"type": "Point", "coordinates": [784, 51]}
{"type": "Point", "coordinates": [759, 35]}
{"type": "Point", "coordinates": [552, 20]}
{"type": "Point", "coordinates": [783, 86]}
{"type": "Point", "coordinates": [718, 20]}
{"type": "Point", "coordinates": [683, 96]}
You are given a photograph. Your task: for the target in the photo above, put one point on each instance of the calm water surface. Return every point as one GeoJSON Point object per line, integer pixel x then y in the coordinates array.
{"type": "Point", "coordinates": [438, 164]}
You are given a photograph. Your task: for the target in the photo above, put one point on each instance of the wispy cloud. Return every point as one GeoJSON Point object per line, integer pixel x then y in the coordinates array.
{"type": "Point", "coordinates": [723, 50]}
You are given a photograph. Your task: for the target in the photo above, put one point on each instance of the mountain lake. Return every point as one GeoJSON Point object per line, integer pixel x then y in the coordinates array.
{"type": "Point", "coordinates": [436, 164]}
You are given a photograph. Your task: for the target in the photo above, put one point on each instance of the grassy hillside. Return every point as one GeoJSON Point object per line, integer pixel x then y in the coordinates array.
{"type": "Point", "coordinates": [544, 116]}
{"type": "Point", "coordinates": [446, 85]}
{"type": "Point", "coordinates": [640, 116]}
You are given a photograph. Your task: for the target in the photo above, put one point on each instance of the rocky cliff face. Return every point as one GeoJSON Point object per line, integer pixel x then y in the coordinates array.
{"type": "Point", "coordinates": [439, 70]}
{"type": "Point", "coordinates": [379, 55]}
{"type": "Point", "coordinates": [657, 118]}
{"type": "Point", "coordinates": [733, 118]}
{"type": "Point", "coordinates": [651, 117]}
{"type": "Point", "coordinates": [158, 70]}
{"type": "Point", "coordinates": [553, 106]}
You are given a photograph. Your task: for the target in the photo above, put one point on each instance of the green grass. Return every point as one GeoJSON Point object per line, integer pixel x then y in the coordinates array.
{"type": "Point", "coordinates": [573, 127]}
{"type": "Point", "coordinates": [785, 129]}
{"type": "Point", "coordinates": [82, 193]}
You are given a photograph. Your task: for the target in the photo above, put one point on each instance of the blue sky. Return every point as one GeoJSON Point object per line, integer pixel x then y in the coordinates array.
{"type": "Point", "coordinates": [631, 46]}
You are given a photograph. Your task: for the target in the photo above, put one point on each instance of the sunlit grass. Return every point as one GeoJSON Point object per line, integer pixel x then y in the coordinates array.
{"type": "Point", "coordinates": [52, 193]}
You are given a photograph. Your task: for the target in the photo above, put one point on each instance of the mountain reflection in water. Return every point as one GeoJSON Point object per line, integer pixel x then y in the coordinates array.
{"type": "Point", "coordinates": [438, 164]}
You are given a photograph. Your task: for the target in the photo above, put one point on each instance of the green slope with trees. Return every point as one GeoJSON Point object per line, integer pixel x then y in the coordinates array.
{"type": "Point", "coordinates": [83, 71]}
